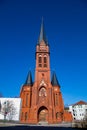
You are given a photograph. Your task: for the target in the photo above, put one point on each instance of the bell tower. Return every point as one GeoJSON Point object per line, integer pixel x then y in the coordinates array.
{"type": "Point", "coordinates": [41, 106]}
{"type": "Point", "coordinates": [42, 70]}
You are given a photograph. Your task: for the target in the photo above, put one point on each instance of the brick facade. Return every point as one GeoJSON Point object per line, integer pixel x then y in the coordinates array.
{"type": "Point", "coordinates": [42, 100]}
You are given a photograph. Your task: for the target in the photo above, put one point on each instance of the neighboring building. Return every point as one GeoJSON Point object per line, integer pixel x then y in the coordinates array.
{"type": "Point", "coordinates": [79, 110]}
{"type": "Point", "coordinates": [10, 108]}
{"type": "Point", "coordinates": [42, 99]}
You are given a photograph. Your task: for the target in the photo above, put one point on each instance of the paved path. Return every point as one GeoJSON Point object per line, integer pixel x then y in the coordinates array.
{"type": "Point", "coordinates": [39, 124]}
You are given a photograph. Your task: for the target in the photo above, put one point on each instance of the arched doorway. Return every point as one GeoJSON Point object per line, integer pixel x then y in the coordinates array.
{"type": "Point", "coordinates": [43, 114]}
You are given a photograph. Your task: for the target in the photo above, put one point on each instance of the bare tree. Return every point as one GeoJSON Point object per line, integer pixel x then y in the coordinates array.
{"type": "Point", "coordinates": [8, 110]}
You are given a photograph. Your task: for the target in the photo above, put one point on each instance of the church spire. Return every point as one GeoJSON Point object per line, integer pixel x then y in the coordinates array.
{"type": "Point", "coordinates": [54, 80]}
{"type": "Point", "coordinates": [42, 35]}
{"type": "Point", "coordinates": [29, 79]}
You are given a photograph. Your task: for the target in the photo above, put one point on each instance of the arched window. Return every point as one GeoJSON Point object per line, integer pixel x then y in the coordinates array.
{"type": "Point", "coordinates": [56, 99]}
{"type": "Point", "coordinates": [23, 99]}
{"type": "Point", "coordinates": [40, 61]}
{"type": "Point", "coordinates": [22, 116]}
{"type": "Point", "coordinates": [57, 115]}
{"type": "Point", "coordinates": [27, 99]}
{"type": "Point", "coordinates": [26, 116]}
{"type": "Point", "coordinates": [45, 61]}
{"type": "Point", "coordinates": [42, 92]}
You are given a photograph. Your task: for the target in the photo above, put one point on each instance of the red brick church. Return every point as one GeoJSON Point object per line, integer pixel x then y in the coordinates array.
{"type": "Point", "coordinates": [42, 99]}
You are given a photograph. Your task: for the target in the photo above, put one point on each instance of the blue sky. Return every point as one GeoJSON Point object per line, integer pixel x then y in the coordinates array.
{"type": "Point", "coordinates": [66, 30]}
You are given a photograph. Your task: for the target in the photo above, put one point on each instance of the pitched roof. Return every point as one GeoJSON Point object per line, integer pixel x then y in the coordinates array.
{"type": "Point", "coordinates": [29, 79]}
{"type": "Point", "coordinates": [42, 35]}
{"type": "Point", "coordinates": [54, 80]}
{"type": "Point", "coordinates": [80, 103]}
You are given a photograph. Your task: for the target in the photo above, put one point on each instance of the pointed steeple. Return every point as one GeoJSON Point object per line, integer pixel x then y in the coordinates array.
{"type": "Point", "coordinates": [54, 80]}
{"type": "Point", "coordinates": [42, 35]}
{"type": "Point", "coordinates": [29, 79]}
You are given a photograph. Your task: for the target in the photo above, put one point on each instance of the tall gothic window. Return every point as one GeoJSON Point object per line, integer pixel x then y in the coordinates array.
{"type": "Point", "coordinates": [26, 99]}
{"type": "Point", "coordinates": [56, 99]}
{"type": "Point", "coordinates": [23, 100]}
{"type": "Point", "coordinates": [22, 116]}
{"type": "Point", "coordinates": [56, 115]}
{"type": "Point", "coordinates": [26, 116]}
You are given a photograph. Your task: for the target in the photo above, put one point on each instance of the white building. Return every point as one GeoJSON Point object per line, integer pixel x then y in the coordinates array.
{"type": "Point", "coordinates": [79, 110]}
{"type": "Point", "coordinates": [10, 108]}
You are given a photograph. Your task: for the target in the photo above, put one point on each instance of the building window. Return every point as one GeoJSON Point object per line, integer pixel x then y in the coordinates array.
{"type": "Point", "coordinates": [59, 115]}
{"type": "Point", "coordinates": [40, 65]}
{"type": "Point", "coordinates": [45, 65]}
{"type": "Point", "coordinates": [26, 99]}
{"type": "Point", "coordinates": [40, 61]}
{"type": "Point", "coordinates": [42, 92]}
{"type": "Point", "coordinates": [56, 99]}
{"type": "Point", "coordinates": [45, 61]}
{"type": "Point", "coordinates": [26, 116]}
{"type": "Point", "coordinates": [22, 116]}
{"type": "Point", "coordinates": [73, 110]}
{"type": "Point", "coordinates": [56, 115]}
{"type": "Point", "coordinates": [23, 100]}
{"type": "Point", "coordinates": [73, 114]}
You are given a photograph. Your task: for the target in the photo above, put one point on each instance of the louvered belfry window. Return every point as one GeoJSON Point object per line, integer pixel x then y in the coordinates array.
{"type": "Point", "coordinates": [45, 61]}
{"type": "Point", "coordinates": [40, 61]}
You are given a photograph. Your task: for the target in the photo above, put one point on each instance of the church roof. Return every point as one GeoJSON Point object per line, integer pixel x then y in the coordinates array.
{"type": "Point", "coordinates": [29, 79]}
{"type": "Point", "coordinates": [54, 80]}
{"type": "Point", "coordinates": [42, 35]}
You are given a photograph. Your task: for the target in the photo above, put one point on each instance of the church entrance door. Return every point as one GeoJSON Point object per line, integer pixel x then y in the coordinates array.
{"type": "Point", "coordinates": [43, 114]}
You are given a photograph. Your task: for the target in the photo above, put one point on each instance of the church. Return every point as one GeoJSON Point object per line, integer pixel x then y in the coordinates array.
{"type": "Point", "coordinates": [42, 99]}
